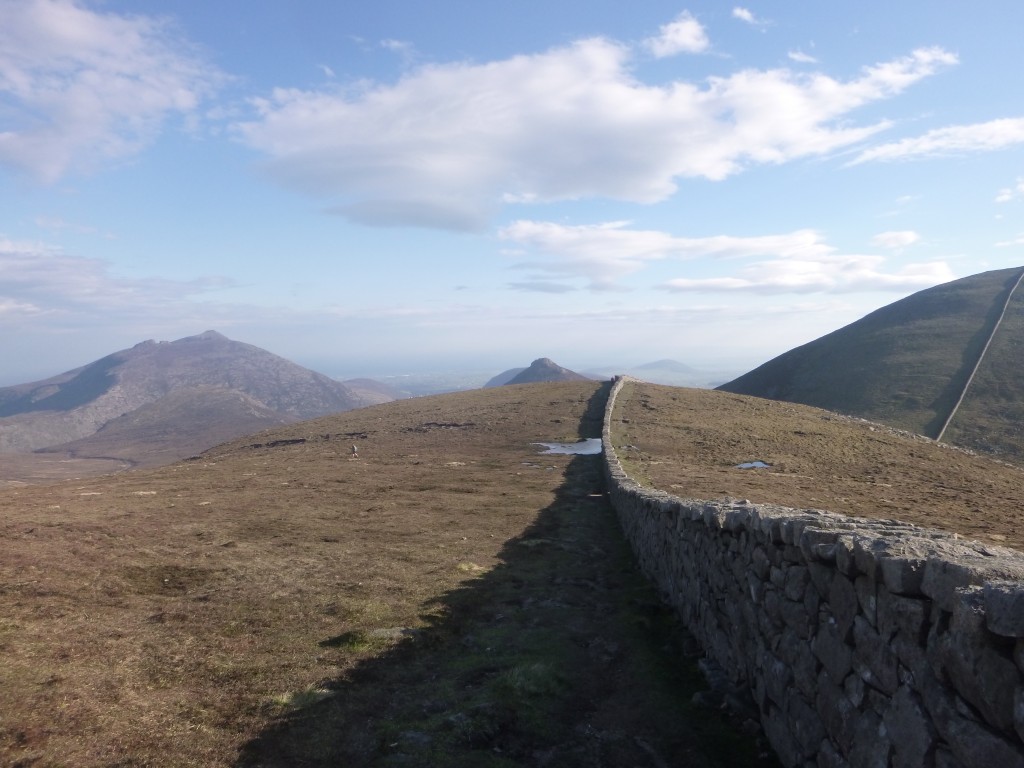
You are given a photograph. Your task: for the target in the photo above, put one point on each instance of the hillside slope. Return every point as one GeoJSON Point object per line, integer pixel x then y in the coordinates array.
{"type": "Point", "coordinates": [907, 363]}
{"type": "Point", "coordinates": [77, 404]}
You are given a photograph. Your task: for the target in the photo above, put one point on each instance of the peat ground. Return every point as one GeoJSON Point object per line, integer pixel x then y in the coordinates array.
{"type": "Point", "coordinates": [449, 598]}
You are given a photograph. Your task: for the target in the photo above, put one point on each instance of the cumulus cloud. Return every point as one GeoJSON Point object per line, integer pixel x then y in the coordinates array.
{"type": "Point", "coordinates": [80, 87]}
{"type": "Point", "coordinates": [895, 241]}
{"type": "Point", "coordinates": [684, 35]}
{"type": "Point", "coordinates": [833, 274]}
{"type": "Point", "coordinates": [953, 140]}
{"type": "Point", "coordinates": [447, 144]}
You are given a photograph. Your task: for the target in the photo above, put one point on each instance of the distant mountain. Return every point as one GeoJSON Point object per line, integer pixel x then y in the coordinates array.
{"type": "Point", "coordinates": [373, 392]}
{"type": "Point", "coordinates": [166, 429]}
{"type": "Point", "coordinates": [908, 365]}
{"type": "Point", "coordinates": [504, 377]}
{"type": "Point", "coordinates": [666, 371]}
{"type": "Point", "coordinates": [168, 399]}
{"type": "Point", "coordinates": [544, 369]}
{"type": "Point", "coordinates": [666, 365]}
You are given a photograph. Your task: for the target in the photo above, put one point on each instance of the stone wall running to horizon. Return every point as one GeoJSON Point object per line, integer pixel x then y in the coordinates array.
{"type": "Point", "coordinates": [863, 643]}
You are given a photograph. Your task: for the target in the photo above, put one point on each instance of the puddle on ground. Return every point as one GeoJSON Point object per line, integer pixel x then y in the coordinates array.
{"type": "Point", "coordinates": [588, 447]}
{"type": "Point", "coordinates": [753, 465]}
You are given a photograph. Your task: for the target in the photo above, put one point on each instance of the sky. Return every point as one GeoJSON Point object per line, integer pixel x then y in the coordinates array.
{"type": "Point", "coordinates": [398, 186]}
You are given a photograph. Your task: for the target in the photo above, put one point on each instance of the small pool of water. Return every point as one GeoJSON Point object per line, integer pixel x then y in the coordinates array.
{"type": "Point", "coordinates": [588, 447]}
{"type": "Point", "coordinates": [753, 465]}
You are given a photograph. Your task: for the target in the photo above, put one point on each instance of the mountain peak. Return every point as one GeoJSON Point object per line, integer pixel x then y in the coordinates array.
{"type": "Point", "coordinates": [545, 369]}
{"type": "Point", "coordinates": [173, 388]}
{"type": "Point", "coordinates": [207, 336]}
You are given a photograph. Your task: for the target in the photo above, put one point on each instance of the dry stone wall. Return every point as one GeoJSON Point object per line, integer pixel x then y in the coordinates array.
{"type": "Point", "coordinates": [864, 643]}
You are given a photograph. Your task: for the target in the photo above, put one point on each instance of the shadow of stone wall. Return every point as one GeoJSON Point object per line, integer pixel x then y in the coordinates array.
{"type": "Point", "coordinates": [865, 643]}
{"type": "Point", "coordinates": [562, 655]}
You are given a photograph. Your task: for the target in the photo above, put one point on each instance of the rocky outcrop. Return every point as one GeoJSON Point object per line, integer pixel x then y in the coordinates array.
{"type": "Point", "coordinates": [863, 643]}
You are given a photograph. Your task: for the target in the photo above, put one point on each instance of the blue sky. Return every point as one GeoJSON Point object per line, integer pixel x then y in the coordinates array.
{"type": "Point", "coordinates": [468, 185]}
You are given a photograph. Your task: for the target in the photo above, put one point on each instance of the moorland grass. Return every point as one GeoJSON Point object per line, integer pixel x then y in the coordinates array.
{"type": "Point", "coordinates": [449, 598]}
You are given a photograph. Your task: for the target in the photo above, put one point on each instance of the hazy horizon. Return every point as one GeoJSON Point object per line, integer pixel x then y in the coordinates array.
{"type": "Point", "coordinates": [351, 184]}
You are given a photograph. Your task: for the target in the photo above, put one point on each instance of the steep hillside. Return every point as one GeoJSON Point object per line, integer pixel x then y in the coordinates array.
{"type": "Point", "coordinates": [192, 372]}
{"type": "Point", "coordinates": [907, 363]}
{"type": "Point", "coordinates": [166, 429]}
{"type": "Point", "coordinates": [991, 416]}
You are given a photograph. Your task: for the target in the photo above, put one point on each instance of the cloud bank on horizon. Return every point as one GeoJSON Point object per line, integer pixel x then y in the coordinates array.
{"type": "Point", "coordinates": [442, 193]}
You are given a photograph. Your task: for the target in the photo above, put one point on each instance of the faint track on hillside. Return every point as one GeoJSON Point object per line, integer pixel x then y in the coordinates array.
{"type": "Point", "coordinates": [981, 357]}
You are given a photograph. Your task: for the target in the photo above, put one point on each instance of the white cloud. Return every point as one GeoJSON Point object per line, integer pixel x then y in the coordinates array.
{"type": "Point", "coordinates": [405, 50]}
{"type": "Point", "coordinates": [47, 279]}
{"type": "Point", "coordinates": [1011, 243]}
{"type": "Point", "coordinates": [81, 87]}
{"type": "Point", "coordinates": [541, 286]}
{"type": "Point", "coordinates": [684, 35]}
{"type": "Point", "coordinates": [447, 144]}
{"type": "Point", "coordinates": [746, 15]}
{"type": "Point", "coordinates": [802, 58]}
{"type": "Point", "coordinates": [957, 139]}
{"type": "Point", "coordinates": [1007, 194]}
{"type": "Point", "coordinates": [398, 46]}
{"type": "Point", "coordinates": [834, 274]}
{"type": "Point", "coordinates": [895, 241]}
{"type": "Point", "coordinates": [798, 262]}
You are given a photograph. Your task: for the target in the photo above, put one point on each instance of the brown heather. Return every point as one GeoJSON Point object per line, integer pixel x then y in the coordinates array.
{"type": "Point", "coordinates": [449, 598]}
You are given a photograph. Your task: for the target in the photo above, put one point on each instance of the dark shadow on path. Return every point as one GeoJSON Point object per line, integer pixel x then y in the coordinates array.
{"type": "Point", "coordinates": [562, 656]}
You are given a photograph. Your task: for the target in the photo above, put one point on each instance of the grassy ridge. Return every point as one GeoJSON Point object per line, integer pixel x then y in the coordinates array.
{"type": "Point", "coordinates": [448, 598]}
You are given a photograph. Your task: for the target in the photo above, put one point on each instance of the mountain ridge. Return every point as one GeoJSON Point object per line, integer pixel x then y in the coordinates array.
{"type": "Point", "coordinates": [189, 378]}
